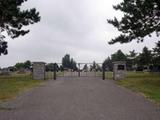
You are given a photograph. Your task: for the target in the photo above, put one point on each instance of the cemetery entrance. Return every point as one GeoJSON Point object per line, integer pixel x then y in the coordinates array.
{"type": "Point", "coordinates": [78, 70]}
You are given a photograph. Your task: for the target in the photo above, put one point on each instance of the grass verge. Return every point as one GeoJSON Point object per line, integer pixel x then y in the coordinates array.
{"type": "Point", "coordinates": [11, 86]}
{"type": "Point", "coordinates": [145, 83]}
{"type": "Point", "coordinates": [109, 75]}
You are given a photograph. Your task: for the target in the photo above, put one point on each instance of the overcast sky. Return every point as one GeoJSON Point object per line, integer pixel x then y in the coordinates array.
{"type": "Point", "coordinates": [76, 27]}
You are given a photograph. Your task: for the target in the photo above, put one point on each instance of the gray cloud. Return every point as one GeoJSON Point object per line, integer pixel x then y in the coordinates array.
{"type": "Point", "coordinates": [69, 26]}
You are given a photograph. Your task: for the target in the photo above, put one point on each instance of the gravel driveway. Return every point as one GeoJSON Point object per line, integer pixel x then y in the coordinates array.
{"type": "Point", "coordinates": [84, 98]}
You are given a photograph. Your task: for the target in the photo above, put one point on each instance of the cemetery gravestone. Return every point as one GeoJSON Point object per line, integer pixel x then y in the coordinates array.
{"type": "Point", "coordinates": [39, 70]}
{"type": "Point", "coordinates": [119, 70]}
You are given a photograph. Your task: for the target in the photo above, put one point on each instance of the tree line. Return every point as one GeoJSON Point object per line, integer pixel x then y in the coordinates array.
{"type": "Point", "coordinates": [67, 63]}
{"type": "Point", "coordinates": [147, 59]}
{"type": "Point", "coordinates": [27, 65]}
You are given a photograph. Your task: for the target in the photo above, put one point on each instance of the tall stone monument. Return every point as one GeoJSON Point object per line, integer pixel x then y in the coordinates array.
{"type": "Point", "coordinates": [119, 70]}
{"type": "Point", "coordinates": [38, 70]}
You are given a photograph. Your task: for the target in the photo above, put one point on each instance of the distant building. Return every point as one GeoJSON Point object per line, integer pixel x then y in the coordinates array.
{"type": "Point", "coordinates": [5, 71]}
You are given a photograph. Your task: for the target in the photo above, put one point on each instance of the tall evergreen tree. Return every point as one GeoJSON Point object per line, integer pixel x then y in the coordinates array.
{"type": "Point", "coordinates": [85, 68]}
{"type": "Point", "coordinates": [132, 54]}
{"type": "Point", "coordinates": [131, 60]}
{"type": "Point", "coordinates": [12, 20]}
{"type": "Point", "coordinates": [27, 64]}
{"type": "Point", "coordinates": [156, 54]}
{"type": "Point", "coordinates": [66, 61]}
{"type": "Point", "coordinates": [94, 65]}
{"type": "Point", "coordinates": [118, 56]}
{"type": "Point", "coordinates": [108, 64]}
{"type": "Point", "coordinates": [145, 58]}
{"type": "Point", "coordinates": [69, 63]}
{"type": "Point", "coordinates": [141, 18]}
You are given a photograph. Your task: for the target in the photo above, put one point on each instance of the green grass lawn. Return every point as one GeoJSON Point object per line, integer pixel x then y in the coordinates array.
{"type": "Point", "coordinates": [109, 75]}
{"type": "Point", "coordinates": [50, 75]}
{"type": "Point", "coordinates": [11, 86]}
{"type": "Point", "coordinates": [146, 83]}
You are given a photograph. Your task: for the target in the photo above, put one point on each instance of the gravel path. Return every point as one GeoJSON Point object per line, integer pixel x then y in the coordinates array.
{"type": "Point", "coordinates": [80, 99]}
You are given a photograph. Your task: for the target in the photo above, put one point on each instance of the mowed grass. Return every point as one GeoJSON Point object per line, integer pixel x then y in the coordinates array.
{"type": "Point", "coordinates": [145, 83]}
{"type": "Point", "coordinates": [12, 85]}
{"type": "Point", "coordinates": [50, 75]}
{"type": "Point", "coordinates": [109, 75]}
